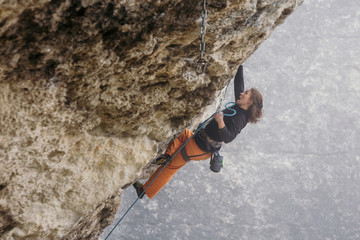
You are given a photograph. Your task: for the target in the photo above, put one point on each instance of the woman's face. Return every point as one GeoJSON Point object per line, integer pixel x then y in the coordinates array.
{"type": "Point", "coordinates": [244, 99]}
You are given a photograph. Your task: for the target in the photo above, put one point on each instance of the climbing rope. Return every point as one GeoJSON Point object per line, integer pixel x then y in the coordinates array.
{"type": "Point", "coordinates": [230, 108]}
{"type": "Point", "coordinates": [201, 63]}
{"type": "Point", "coordinates": [199, 128]}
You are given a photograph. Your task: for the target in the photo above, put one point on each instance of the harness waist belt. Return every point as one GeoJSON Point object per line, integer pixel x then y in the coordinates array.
{"type": "Point", "coordinates": [212, 142]}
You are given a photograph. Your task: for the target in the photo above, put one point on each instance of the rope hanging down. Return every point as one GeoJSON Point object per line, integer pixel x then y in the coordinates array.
{"type": "Point", "coordinates": [199, 128]}
{"type": "Point", "coordinates": [201, 63]}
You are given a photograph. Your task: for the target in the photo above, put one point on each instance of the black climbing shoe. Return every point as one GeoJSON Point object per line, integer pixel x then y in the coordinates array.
{"type": "Point", "coordinates": [139, 189]}
{"type": "Point", "coordinates": [162, 159]}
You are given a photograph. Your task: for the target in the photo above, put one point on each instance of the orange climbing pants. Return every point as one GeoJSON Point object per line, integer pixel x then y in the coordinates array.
{"type": "Point", "coordinates": [176, 163]}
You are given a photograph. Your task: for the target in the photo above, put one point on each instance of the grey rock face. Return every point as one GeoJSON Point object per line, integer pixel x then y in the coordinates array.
{"type": "Point", "coordinates": [90, 91]}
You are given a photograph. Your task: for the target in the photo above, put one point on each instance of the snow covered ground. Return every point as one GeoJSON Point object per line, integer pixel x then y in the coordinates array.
{"type": "Point", "coordinates": [295, 174]}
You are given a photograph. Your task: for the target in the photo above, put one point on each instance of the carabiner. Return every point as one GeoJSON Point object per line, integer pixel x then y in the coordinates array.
{"type": "Point", "coordinates": [201, 66]}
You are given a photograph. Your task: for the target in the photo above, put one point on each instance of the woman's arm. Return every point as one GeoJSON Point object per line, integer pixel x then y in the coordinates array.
{"type": "Point", "coordinates": [225, 134]}
{"type": "Point", "coordinates": [239, 82]}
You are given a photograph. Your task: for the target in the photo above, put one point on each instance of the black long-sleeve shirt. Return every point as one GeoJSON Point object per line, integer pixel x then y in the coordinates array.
{"type": "Point", "coordinates": [234, 124]}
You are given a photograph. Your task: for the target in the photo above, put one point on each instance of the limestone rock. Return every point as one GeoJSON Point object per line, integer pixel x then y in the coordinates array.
{"type": "Point", "coordinates": [91, 91]}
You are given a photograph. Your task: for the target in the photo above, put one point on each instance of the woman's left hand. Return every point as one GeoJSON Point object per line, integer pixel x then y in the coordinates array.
{"type": "Point", "coordinates": [219, 118]}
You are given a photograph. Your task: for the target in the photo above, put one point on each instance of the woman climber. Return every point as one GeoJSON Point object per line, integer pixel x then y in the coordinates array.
{"type": "Point", "coordinates": [221, 129]}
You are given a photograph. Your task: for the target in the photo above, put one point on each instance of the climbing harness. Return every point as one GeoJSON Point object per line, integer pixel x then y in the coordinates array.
{"type": "Point", "coordinates": [202, 63]}
{"type": "Point", "coordinates": [187, 158]}
{"type": "Point", "coordinates": [202, 125]}
{"type": "Point", "coordinates": [163, 158]}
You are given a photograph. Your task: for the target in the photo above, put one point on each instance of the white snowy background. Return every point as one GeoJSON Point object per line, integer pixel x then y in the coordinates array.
{"type": "Point", "coordinates": [295, 174]}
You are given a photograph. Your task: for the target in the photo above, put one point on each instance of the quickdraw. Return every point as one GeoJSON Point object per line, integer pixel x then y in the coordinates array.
{"type": "Point", "coordinates": [202, 63]}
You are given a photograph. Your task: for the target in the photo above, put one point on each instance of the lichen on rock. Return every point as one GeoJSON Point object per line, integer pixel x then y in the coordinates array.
{"type": "Point", "coordinates": [91, 91]}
